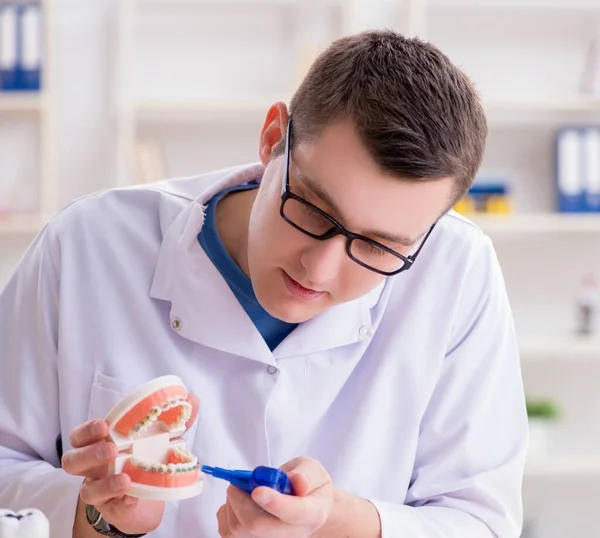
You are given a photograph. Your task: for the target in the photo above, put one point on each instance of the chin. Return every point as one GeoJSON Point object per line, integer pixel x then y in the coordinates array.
{"type": "Point", "coordinates": [292, 310]}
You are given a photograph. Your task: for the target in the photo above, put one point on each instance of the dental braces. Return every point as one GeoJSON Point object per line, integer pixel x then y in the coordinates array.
{"type": "Point", "coordinates": [167, 468]}
{"type": "Point", "coordinates": [157, 410]}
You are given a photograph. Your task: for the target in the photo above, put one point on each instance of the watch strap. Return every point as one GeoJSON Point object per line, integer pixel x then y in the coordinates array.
{"type": "Point", "coordinates": [101, 526]}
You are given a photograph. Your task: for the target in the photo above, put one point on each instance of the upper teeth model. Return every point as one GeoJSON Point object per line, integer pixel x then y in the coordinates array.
{"type": "Point", "coordinates": [29, 523]}
{"type": "Point", "coordinates": [146, 427]}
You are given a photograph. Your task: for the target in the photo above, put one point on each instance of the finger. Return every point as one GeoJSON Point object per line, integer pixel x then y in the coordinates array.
{"type": "Point", "coordinates": [193, 399]}
{"type": "Point", "coordinates": [223, 526]}
{"type": "Point", "coordinates": [98, 472]}
{"type": "Point", "coordinates": [123, 512]}
{"type": "Point", "coordinates": [235, 527]}
{"type": "Point", "coordinates": [100, 492]}
{"type": "Point", "coordinates": [306, 475]}
{"type": "Point", "coordinates": [246, 518]}
{"type": "Point", "coordinates": [88, 433]}
{"type": "Point", "coordinates": [86, 460]}
{"type": "Point", "coordinates": [309, 511]}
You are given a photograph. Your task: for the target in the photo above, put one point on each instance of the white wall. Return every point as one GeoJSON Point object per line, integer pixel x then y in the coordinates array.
{"type": "Point", "coordinates": [512, 56]}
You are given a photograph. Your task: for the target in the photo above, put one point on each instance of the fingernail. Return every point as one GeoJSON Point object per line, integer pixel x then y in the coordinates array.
{"type": "Point", "coordinates": [96, 428]}
{"type": "Point", "coordinates": [262, 497]}
{"type": "Point", "coordinates": [104, 452]}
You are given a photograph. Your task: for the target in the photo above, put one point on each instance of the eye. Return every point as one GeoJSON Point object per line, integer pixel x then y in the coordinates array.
{"type": "Point", "coordinates": [377, 251]}
{"type": "Point", "coordinates": [310, 211]}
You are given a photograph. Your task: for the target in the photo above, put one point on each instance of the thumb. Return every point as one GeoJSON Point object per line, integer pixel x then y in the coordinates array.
{"type": "Point", "coordinates": [306, 475]}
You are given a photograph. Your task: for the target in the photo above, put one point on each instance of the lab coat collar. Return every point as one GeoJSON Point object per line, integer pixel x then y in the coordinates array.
{"type": "Point", "coordinates": [205, 310]}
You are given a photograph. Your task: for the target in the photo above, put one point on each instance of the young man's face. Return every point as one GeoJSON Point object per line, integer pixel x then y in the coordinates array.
{"type": "Point", "coordinates": [296, 277]}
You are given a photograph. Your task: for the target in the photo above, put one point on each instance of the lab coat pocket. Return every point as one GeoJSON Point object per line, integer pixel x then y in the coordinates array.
{"type": "Point", "coordinates": [106, 392]}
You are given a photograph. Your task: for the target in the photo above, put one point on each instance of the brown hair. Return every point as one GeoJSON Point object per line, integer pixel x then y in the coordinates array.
{"type": "Point", "coordinates": [417, 114]}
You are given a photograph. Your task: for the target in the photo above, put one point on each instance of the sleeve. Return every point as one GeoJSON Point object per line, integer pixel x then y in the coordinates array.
{"type": "Point", "coordinates": [468, 472]}
{"type": "Point", "coordinates": [30, 472]}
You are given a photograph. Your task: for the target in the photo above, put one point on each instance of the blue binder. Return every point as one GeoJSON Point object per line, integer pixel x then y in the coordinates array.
{"type": "Point", "coordinates": [569, 170]}
{"type": "Point", "coordinates": [9, 47]}
{"type": "Point", "coordinates": [30, 49]}
{"type": "Point", "coordinates": [591, 168]}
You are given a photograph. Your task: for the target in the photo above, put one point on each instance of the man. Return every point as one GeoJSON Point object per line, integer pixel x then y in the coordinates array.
{"type": "Point", "coordinates": [330, 311]}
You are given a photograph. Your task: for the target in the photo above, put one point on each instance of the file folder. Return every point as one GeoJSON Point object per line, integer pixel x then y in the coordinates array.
{"type": "Point", "coordinates": [569, 168]}
{"type": "Point", "coordinates": [9, 47]}
{"type": "Point", "coordinates": [30, 30]}
{"type": "Point", "coordinates": [591, 144]}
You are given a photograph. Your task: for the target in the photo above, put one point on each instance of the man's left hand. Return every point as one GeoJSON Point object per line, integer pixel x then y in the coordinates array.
{"type": "Point", "coordinates": [270, 514]}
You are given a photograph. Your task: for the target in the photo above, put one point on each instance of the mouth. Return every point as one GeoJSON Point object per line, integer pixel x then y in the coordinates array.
{"type": "Point", "coordinates": [30, 523]}
{"type": "Point", "coordinates": [146, 427]}
{"type": "Point", "coordinates": [298, 290]}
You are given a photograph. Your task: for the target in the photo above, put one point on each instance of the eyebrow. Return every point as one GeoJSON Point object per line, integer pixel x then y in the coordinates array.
{"type": "Point", "coordinates": [314, 187]}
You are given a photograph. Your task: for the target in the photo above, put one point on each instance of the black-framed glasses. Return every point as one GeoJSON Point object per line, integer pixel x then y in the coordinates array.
{"type": "Point", "coordinates": [314, 222]}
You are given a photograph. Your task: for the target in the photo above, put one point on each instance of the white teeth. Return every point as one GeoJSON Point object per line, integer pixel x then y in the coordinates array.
{"type": "Point", "coordinates": [29, 523]}
{"type": "Point", "coordinates": [171, 468]}
{"type": "Point", "coordinates": [157, 410]}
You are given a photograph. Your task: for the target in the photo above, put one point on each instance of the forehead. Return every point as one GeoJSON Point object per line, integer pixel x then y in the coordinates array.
{"type": "Point", "coordinates": [368, 198]}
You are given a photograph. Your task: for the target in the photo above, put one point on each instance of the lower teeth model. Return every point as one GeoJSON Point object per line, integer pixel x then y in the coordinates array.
{"type": "Point", "coordinates": [146, 427]}
{"type": "Point", "coordinates": [29, 523]}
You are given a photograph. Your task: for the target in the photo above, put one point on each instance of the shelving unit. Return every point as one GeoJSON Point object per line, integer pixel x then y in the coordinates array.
{"type": "Point", "coordinates": [573, 350]}
{"type": "Point", "coordinates": [500, 226]}
{"type": "Point", "coordinates": [17, 103]}
{"type": "Point", "coordinates": [42, 107]}
{"type": "Point", "coordinates": [586, 466]}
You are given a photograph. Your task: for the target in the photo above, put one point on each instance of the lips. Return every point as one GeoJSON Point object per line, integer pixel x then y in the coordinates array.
{"type": "Point", "coordinates": [298, 290]}
{"type": "Point", "coordinates": [28, 523]}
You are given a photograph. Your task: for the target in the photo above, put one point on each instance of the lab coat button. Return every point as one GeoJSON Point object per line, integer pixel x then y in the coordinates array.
{"type": "Point", "coordinates": [176, 323]}
{"type": "Point", "coordinates": [363, 330]}
{"type": "Point", "coordinates": [271, 369]}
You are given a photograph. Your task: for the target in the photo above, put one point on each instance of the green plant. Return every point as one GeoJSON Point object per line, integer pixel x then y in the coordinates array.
{"type": "Point", "coordinates": [542, 409]}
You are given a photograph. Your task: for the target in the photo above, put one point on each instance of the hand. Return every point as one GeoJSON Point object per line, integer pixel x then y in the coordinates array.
{"type": "Point", "coordinates": [270, 514]}
{"type": "Point", "coordinates": [90, 457]}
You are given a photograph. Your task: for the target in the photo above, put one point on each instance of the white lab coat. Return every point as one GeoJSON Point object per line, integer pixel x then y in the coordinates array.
{"type": "Point", "coordinates": [411, 396]}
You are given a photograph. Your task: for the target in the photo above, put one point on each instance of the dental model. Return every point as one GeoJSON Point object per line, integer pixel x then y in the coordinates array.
{"type": "Point", "coordinates": [29, 523]}
{"type": "Point", "coordinates": [146, 427]}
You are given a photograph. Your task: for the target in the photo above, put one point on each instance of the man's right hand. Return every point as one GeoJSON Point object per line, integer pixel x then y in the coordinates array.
{"type": "Point", "coordinates": [89, 458]}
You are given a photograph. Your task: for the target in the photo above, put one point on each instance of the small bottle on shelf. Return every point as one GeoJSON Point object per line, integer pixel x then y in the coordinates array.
{"type": "Point", "coordinates": [587, 304]}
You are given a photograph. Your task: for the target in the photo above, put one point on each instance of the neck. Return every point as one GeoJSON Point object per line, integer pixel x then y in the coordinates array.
{"type": "Point", "coordinates": [232, 218]}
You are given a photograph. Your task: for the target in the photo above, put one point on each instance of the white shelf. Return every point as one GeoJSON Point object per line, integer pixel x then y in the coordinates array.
{"type": "Point", "coordinates": [253, 3]}
{"type": "Point", "coordinates": [21, 102]}
{"type": "Point", "coordinates": [214, 2]}
{"type": "Point", "coordinates": [244, 108]}
{"type": "Point", "coordinates": [518, 5]}
{"type": "Point", "coordinates": [564, 104]}
{"type": "Point", "coordinates": [25, 224]}
{"type": "Point", "coordinates": [564, 466]}
{"type": "Point", "coordinates": [548, 223]}
{"type": "Point", "coordinates": [206, 109]}
{"type": "Point", "coordinates": [547, 349]}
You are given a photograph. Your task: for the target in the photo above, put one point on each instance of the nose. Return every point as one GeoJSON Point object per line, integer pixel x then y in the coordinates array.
{"type": "Point", "coordinates": [322, 260]}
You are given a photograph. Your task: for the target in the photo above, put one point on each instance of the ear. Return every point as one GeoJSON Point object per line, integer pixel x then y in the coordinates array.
{"type": "Point", "coordinates": [273, 130]}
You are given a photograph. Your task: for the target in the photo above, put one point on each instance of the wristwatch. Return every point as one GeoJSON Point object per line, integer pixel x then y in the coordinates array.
{"type": "Point", "coordinates": [101, 526]}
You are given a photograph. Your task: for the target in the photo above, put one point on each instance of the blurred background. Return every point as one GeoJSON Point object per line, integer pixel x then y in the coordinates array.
{"type": "Point", "coordinates": [106, 93]}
